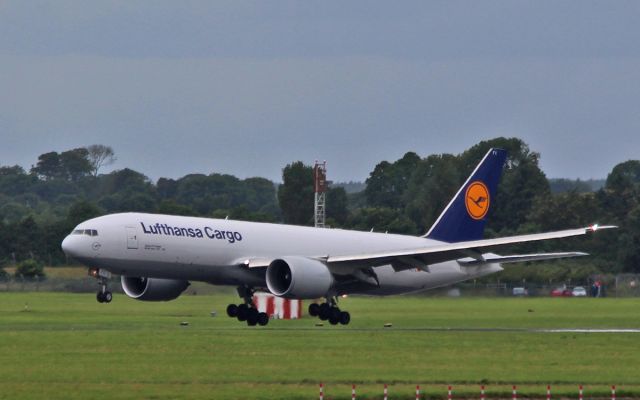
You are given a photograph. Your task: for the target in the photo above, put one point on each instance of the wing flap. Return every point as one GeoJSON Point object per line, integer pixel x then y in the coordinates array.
{"type": "Point", "coordinates": [520, 258]}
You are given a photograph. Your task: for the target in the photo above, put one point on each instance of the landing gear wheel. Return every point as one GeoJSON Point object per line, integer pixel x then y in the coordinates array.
{"type": "Point", "coordinates": [252, 317]}
{"type": "Point", "coordinates": [334, 314]}
{"type": "Point", "coordinates": [243, 312]}
{"type": "Point", "coordinates": [100, 297]}
{"type": "Point", "coordinates": [333, 320]}
{"type": "Point", "coordinates": [107, 297]}
{"type": "Point", "coordinates": [263, 319]}
{"type": "Point", "coordinates": [232, 310]}
{"type": "Point", "coordinates": [345, 317]}
{"type": "Point", "coordinates": [314, 309]}
{"type": "Point", "coordinates": [325, 311]}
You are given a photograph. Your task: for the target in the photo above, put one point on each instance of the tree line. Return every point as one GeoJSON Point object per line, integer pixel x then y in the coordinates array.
{"type": "Point", "coordinates": [40, 206]}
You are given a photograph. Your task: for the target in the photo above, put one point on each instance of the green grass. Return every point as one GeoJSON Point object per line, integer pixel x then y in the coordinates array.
{"type": "Point", "coordinates": [67, 346]}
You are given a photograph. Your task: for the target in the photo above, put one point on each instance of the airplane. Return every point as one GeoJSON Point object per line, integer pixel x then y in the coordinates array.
{"type": "Point", "coordinates": [158, 255]}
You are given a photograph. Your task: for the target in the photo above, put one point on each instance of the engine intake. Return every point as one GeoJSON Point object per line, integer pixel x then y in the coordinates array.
{"type": "Point", "coordinates": [152, 289]}
{"type": "Point", "coordinates": [298, 278]}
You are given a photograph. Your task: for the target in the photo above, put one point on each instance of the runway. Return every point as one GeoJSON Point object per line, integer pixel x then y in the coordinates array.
{"type": "Point", "coordinates": [444, 329]}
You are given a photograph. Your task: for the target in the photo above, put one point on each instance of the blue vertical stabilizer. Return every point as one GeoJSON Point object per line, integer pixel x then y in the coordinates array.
{"type": "Point", "coordinates": [465, 216]}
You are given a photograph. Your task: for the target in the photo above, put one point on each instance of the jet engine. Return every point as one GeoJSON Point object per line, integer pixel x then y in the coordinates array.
{"type": "Point", "coordinates": [152, 289]}
{"type": "Point", "coordinates": [299, 278]}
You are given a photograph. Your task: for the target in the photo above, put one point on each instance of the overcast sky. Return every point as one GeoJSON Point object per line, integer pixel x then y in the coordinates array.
{"type": "Point", "coordinates": [244, 87]}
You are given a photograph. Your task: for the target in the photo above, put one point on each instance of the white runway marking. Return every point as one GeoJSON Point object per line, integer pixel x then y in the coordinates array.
{"type": "Point", "coordinates": [613, 330]}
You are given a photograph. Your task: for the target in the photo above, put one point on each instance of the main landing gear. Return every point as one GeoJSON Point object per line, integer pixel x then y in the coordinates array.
{"type": "Point", "coordinates": [103, 295]}
{"type": "Point", "coordinates": [247, 311]}
{"type": "Point", "coordinates": [330, 311]}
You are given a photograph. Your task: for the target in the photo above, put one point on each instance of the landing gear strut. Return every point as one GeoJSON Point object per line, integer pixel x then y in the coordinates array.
{"type": "Point", "coordinates": [247, 311]}
{"type": "Point", "coordinates": [104, 295]}
{"type": "Point", "coordinates": [330, 311]}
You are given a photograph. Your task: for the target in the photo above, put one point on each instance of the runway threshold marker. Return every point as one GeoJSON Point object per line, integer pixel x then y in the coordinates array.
{"type": "Point", "coordinates": [613, 392]}
{"type": "Point", "coordinates": [386, 392]}
{"type": "Point", "coordinates": [482, 392]}
{"type": "Point", "coordinates": [514, 395]}
{"type": "Point", "coordinates": [580, 397]}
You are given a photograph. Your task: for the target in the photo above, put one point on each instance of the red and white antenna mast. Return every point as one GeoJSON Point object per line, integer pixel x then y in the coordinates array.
{"type": "Point", "coordinates": [320, 189]}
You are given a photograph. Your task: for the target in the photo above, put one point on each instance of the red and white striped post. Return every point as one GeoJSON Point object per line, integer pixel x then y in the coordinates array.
{"type": "Point", "coordinates": [321, 392]}
{"type": "Point", "coordinates": [482, 392]}
{"type": "Point", "coordinates": [613, 392]}
{"type": "Point", "coordinates": [449, 393]}
{"type": "Point", "coordinates": [353, 392]}
{"type": "Point", "coordinates": [417, 392]}
{"type": "Point", "coordinates": [580, 397]}
{"type": "Point", "coordinates": [548, 392]}
{"type": "Point", "coordinates": [514, 395]}
{"type": "Point", "coordinates": [386, 392]}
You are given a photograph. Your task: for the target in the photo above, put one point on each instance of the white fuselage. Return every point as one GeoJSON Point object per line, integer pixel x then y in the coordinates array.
{"type": "Point", "coordinates": [217, 251]}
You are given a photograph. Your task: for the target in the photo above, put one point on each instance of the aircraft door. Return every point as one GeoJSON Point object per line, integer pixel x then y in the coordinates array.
{"type": "Point", "coordinates": [132, 238]}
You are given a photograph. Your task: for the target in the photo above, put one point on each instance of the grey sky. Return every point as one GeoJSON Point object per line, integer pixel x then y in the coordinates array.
{"type": "Point", "coordinates": [247, 87]}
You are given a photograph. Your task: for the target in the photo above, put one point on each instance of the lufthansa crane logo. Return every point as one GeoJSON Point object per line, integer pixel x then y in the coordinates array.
{"type": "Point", "coordinates": [477, 200]}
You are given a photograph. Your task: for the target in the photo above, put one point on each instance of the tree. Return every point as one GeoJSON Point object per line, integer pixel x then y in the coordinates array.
{"type": "Point", "coordinates": [74, 164]}
{"type": "Point", "coordinates": [100, 156]}
{"type": "Point", "coordinates": [629, 242]}
{"type": "Point", "coordinates": [336, 207]}
{"type": "Point", "coordinates": [387, 182]}
{"type": "Point", "coordinates": [48, 166]}
{"type": "Point", "coordinates": [432, 185]}
{"type": "Point", "coordinates": [295, 195]}
{"type": "Point", "coordinates": [82, 211]}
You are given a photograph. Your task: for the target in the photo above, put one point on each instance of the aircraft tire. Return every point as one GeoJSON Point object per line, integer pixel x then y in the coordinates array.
{"type": "Point", "coordinates": [232, 310]}
{"type": "Point", "coordinates": [99, 297]}
{"type": "Point", "coordinates": [324, 312]}
{"type": "Point", "coordinates": [108, 296]}
{"type": "Point", "coordinates": [314, 309]}
{"type": "Point", "coordinates": [252, 317]}
{"type": "Point", "coordinates": [263, 319]}
{"type": "Point", "coordinates": [243, 312]}
{"type": "Point", "coordinates": [333, 320]}
{"type": "Point", "coordinates": [345, 318]}
{"type": "Point", "coordinates": [334, 313]}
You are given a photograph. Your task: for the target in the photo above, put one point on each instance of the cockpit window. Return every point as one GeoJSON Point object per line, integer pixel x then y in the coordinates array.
{"type": "Point", "coordinates": [88, 232]}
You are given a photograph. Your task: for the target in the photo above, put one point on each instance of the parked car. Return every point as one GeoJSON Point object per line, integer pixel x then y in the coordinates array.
{"type": "Point", "coordinates": [520, 291]}
{"type": "Point", "coordinates": [579, 291]}
{"type": "Point", "coordinates": [561, 292]}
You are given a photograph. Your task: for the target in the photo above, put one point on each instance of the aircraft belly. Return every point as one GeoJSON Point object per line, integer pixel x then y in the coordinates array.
{"type": "Point", "coordinates": [221, 275]}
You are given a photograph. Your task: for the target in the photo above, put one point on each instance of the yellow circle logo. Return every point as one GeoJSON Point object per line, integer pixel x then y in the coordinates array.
{"type": "Point", "coordinates": [477, 200]}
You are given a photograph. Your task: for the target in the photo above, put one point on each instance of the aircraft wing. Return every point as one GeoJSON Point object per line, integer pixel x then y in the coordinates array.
{"type": "Point", "coordinates": [421, 257]}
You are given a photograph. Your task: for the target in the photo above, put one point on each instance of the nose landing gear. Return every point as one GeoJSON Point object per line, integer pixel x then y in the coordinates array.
{"type": "Point", "coordinates": [104, 295]}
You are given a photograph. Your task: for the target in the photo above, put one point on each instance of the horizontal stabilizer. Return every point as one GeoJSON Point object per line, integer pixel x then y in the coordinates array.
{"type": "Point", "coordinates": [469, 262]}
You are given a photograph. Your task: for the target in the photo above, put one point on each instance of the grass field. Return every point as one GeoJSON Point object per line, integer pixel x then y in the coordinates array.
{"type": "Point", "coordinates": [67, 346]}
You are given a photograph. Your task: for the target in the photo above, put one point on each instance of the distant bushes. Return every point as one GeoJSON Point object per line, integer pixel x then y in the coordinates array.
{"type": "Point", "coordinates": [30, 269]}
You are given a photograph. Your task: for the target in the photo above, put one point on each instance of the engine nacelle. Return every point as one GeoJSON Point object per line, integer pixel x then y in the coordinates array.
{"type": "Point", "coordinates": [299, 278]}
{"type": "Point", "coordinates": [152, 289]}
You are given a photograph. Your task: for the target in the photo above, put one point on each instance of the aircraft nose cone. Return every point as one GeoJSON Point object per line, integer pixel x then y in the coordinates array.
{"type": "Point", "coordinates": [68, 247]}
